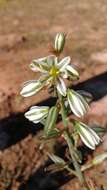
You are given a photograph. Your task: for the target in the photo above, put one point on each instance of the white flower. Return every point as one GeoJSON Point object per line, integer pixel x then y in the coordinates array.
{"type": "Point", "coordinates": [53, 72]}
{"type": "Point", "coordinates": [87, 135]}
{"type": "Point", "coordinates": [37, 114]}
{"type": "Point", "coordinates": [77, 103]}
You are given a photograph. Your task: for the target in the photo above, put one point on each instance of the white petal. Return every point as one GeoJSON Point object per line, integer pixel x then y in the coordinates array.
{"type": "Point", "coordinates": [30, 88]}
{"type": "Point", "coordinates": [61, 87]}
{"type": "Point", "coordinates": [41, 60]}
{"type": "Point", "coordinates": [39, 108]}
{"type": "Point", "coordinates": [51, 59]}
{"type": "Point", "coordinates": [75, 106]}
{"type": "Point", "coordinates": [83, 104]}
{"type": "Point", "coordinates": [63, 63]}
{"type": "Point", "coordinates": [36, 113]}
{"type": "Point", "coordinates": [72, 70]}
{"type": "Point", "coordinates": [34, 66]}
{"type": "Point", "coordinates": [96, 138]}
{"type": "Point", "coordinates": [94, 135]}
{"type": "Point", "coordinates": [64, 74]}
{"type": "Point", "coordinates": [42, 64]}
{"type": "Point", "coordinates": [77, 103]}
{"type": "Point", "coordinates": [86, 136]}
{"type": "Point", "coordinates": [86, 142]}
{"type": "Point", "coordinates": [35, 117]}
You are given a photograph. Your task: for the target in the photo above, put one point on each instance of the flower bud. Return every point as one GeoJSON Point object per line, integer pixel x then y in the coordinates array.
{"type": "Point", "coordinates": [37, 113]}
{"type": "Point", "coordinates": [87, 135]}
{"type": "Point", "coordinates": [31, 87]}
{"type": "Point", "coordinates": [77, 103]}
{"type": "Point", "coordinates": [59, 42]}
{"type": "Point", "coordinates": [100, 158]}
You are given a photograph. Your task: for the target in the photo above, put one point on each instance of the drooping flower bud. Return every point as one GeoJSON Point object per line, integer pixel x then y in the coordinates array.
{"type": "Point", "coordinates": [31, 87]}
{"type": "Point", "coordinates": [100, 158]}
{"type": "Point", "coordinates": [37, 113]}
{"type": "Point", "coordinates": [77, 103]}
{"type": "Point", "coordinates": [59, 42]}
{"type": "Point", "coordinates": [87, 135]}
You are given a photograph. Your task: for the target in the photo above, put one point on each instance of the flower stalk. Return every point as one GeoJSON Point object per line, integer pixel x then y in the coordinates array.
{"type": "Point", "coordinates": [54, 73]}
{"type": "Point", "coordinates": [70, 145]}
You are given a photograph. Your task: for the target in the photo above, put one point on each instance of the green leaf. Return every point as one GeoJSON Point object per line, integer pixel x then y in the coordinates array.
{"type": "Point", "coordinates": [99, 130]}
{"type": "Point", "coordinates": [51, 120]}
{"type": "Point", "coordinates": [72, 139]}
{"type": "Point", "coordinates": [53, 133]}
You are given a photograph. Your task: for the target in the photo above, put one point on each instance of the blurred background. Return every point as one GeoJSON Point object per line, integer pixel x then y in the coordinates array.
{"type": "Point", "coordinates": [26, 32]}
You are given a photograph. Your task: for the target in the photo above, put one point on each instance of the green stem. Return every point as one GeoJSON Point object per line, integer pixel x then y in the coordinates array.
{"type": "Point", "coordinates": [76, 165]}
{"type": "Point", "coordinates": [70, 145]}
{"type": "Point", "coordinates": [63, 113]}
{"type": "Point", "coordinates": [86, 166]}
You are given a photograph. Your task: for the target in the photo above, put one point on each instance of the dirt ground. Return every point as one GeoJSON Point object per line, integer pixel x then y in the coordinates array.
{"type": "Point", "coordinates": [26, 30]}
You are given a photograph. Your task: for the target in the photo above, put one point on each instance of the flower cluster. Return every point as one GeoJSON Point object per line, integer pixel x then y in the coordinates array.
{"type": "Point", "coordinates": [54, 72]}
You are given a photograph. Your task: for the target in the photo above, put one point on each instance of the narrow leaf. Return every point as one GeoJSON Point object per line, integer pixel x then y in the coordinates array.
{"type": "Point", "coordinates": [52, 134]}
{"type": "Point", "coordinates": [51, 120]}
{"type": "Point", "coordinates": [99, 130]}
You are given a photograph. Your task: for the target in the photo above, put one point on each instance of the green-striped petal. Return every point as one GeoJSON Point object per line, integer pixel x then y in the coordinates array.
{"type": "Point", "coordinates": [59, 42]}
{"type": "Point", "coordinates": [77, 103]}
{"type": "Point", "coordinates": [42, 64]}
{"type": "Point", "coordinates": [31, 88]}
{"type": "Point", "coordinates": [63, 63]}
{"type": "Point", "coordinates": [61, 87]}
{"type": "Point", "coordinates": [37, 113]}
{"type": "Point", "coordinates": [72, 72]}
{"type": "Point", "coordinates": [87, 135]}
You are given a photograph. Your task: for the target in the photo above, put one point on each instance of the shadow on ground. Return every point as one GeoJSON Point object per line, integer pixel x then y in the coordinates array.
{"type": "Point", "coordinates": [44, 179]}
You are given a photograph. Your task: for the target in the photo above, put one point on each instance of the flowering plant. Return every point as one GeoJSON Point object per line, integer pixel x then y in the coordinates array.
{"type": "Point", "coordinates": [54, 74]}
